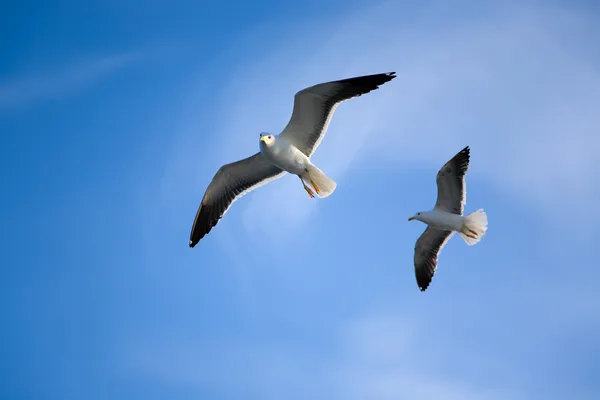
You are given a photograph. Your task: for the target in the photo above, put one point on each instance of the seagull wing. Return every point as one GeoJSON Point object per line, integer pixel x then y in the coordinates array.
{"type": "Point", "coordinates": [315, 105]}
{"type": "Point", "coordinates": [452, 188]}
{"type": "Point", "coordinates": [231, 182]}
{"type": "Point", "coordinates": [427, 249]}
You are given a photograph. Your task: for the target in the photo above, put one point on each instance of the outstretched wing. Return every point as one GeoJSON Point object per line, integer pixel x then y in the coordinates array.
{"type": "Point", "coordinates": [427, 249]}
{"type": "Point", "coordinates": [452, 188]}
{"type": "Point", "coordinates": [231, 182]}
{"type": "Point", "coordinates": [315, 105]}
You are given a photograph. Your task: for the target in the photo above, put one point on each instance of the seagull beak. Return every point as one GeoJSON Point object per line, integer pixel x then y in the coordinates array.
{"type": "Point", "coordinates": [411, 219]}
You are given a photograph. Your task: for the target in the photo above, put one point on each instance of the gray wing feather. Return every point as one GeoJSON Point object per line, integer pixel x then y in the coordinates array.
{"type": "Point", "coordinates": [230, 183]}
{"type": "Point", "coordinates": [452, 188]}
{"type": "Point", "coordinates": [427, 249]}
{"type": "Point", "coordinates": [315, 105]}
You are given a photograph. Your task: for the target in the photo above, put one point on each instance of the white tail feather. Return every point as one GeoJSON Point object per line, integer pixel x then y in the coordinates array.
{"type": "Point", "coordinates": [325, 184]}
{"type": "Point", "coordinates": [474, 227]}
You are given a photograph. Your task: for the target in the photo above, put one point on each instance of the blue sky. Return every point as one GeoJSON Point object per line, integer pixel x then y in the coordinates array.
{"type": "Point", "coordinates": [115, 117]}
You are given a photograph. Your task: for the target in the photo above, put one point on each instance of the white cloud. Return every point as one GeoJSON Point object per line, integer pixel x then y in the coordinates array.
{"type": "Point", "coordinates": [376, 356]}
{"type": "Point", "coordinates": [27, 89]}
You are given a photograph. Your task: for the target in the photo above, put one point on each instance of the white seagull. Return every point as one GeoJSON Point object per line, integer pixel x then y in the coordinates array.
{"type": "Point", "coordinates": [446, 218]}
{"type": "Point", "coordinates": [290, 151]}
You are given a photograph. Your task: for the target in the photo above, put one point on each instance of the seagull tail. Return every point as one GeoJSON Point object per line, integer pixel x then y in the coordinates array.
{"type": "Point", "coordinates": [324, 184]}
{"type": "Point", "coordinates": [474, 227]}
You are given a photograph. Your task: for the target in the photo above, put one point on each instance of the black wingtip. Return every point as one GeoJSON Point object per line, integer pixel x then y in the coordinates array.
{"type": "Point", "coordinates": [464, 155]}
{"type": "Point", "coordinates": [364, 84]}
{"type": "Point", "coordinates": [385, 77]}
{"type": "Point", "coordinates": [423, 281]}
{"type": "Point", "coordinates": [194, 239]}
{"type": "Point", "coordinates": [206, 218]}
{"type": "Point", "coordinates": [462, 158]}
{"type": "Point", "coordinates": [389, 76]}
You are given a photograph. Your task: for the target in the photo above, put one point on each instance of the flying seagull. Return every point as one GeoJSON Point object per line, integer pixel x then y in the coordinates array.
{"type": "Point", "coordinates": [446, 218]}
{"type": "Point", "coordinates": [290, 151]}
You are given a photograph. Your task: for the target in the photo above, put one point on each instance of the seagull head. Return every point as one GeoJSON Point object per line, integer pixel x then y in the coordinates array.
{"type": "Point", "coordinates": [267, 139]}
{"type": "Point", "coordinates": [417, 216]}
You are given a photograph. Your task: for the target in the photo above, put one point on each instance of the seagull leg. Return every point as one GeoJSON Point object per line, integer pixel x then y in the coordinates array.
{"type": "Point", "coordinates": [472, 234]}
{"type": "Point", "coordinates": [308, 190]}
{"type": "Point", "coordinates": [469, 233]}
{"type": "Point", "coordinates": [312, 183]}
{"type": "Point", "coordinates": [315, 186]}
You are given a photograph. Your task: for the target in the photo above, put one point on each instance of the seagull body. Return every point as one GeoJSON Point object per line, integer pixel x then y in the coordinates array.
{"type": "Point", "coordinates": [283, 154]}
{"type": "Point", "coordinates": [288, 152]}
{"type": "Point", "coordinates": [446, 218]}
{"type": "Point", "coordinates": [441, 220]}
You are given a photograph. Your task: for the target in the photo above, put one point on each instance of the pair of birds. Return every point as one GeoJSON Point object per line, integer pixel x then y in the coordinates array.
{"type": "Point", "coordinates": [290, 152]}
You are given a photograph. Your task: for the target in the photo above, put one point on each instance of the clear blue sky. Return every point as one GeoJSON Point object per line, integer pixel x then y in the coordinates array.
{"type": "Point", "coordinates": [114, 118]}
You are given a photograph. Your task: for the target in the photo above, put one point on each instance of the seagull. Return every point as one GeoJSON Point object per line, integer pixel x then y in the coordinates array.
{"type": "Point", "coordinates": [288, 152]}
{"type": "Point", "coordinates": [446, 218]}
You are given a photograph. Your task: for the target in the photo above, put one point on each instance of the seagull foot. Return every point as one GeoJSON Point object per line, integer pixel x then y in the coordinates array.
{"type": "Point", "coordinates": [472, 234]}
{"type": "Point", "coordinates": [316, 187]}
{"type": "Point", "coordinates": [469, 233]}
{"type": "Point", "coordinates": [310, 192]}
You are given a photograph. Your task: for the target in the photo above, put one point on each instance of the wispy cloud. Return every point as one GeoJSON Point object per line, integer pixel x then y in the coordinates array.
{"type": "Point", "coordinates": [452, 353]}
{"type": "Point", "coordinates": [24, 90]}
{"type": "Point", "coordinates": [377, 355]}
